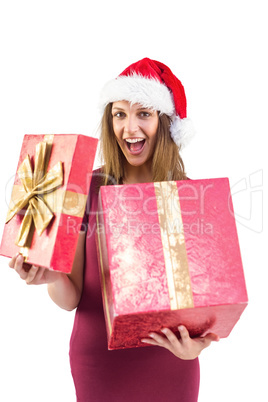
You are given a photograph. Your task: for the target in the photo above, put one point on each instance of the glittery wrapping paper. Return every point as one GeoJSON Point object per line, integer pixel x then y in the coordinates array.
{"type": "Point", "coordinates": [136, 271]}
{"type": "Point", "coordinates": [55, 247]}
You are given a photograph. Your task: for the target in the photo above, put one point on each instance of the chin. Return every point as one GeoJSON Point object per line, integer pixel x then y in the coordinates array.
{"type": "Point", "coordinates": [136, 163]}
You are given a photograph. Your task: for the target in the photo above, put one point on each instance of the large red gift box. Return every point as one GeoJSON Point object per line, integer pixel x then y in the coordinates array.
{"type": "Point", "coordinates": [169, 255]}
{"type": "Point", "coordinates": [48, 199]}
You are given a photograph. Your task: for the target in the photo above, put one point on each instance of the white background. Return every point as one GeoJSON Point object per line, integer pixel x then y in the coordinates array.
{"type": "Point", "coordinates": [55, 57]}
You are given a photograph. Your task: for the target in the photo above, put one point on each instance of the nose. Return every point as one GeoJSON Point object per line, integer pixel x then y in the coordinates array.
{"type": "Point", "coordinates": [131, 124]}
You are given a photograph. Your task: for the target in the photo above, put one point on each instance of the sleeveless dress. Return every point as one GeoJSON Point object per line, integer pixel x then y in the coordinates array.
{"type": "Point", "coordinates": [146, 374]}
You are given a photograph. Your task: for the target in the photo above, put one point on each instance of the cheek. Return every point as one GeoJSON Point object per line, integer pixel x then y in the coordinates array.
{"type": "Point", "coordinates": [150, 128]}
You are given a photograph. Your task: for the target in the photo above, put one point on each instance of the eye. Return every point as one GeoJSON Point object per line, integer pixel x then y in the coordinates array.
{"type": "Point", "coordinates": [119, 115]}
{"type": "Point", "coordinates": [144, 114]}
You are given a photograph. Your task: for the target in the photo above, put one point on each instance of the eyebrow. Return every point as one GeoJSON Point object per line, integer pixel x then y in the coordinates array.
{"type": "Point", "coordinates": [145, 108]}
{"type": "Point", "coordinates": [140, 108]}
{"type": "Point", "coordinates": [117, 108]}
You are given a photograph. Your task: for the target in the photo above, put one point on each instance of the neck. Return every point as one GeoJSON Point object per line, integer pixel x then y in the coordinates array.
{"type": "Point", "coordinates": [138, 174]}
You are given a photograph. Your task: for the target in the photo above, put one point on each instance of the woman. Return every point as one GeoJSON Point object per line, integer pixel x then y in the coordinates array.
{"type": "Point", "coordinates": [143, 127]}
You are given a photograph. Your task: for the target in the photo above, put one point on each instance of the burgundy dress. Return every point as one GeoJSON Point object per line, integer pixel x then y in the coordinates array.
{"type": "Point", "coordinates": [135, 375]}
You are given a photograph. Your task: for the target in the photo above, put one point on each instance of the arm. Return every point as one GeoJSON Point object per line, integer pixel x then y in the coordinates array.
{"type": "Point", "coordinates": [65, 290]}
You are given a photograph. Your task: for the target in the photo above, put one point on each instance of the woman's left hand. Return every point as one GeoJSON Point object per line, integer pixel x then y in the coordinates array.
{"type": "Point", "coordinates": [185, 348]}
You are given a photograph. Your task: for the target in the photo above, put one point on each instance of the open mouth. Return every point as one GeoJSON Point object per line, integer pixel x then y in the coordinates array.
{"type": "Point", "coordinates": [135, 145]}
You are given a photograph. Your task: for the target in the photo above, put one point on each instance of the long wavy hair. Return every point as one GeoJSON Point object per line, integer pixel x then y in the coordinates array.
{"type": "Point", "coordinates": [167, 163]}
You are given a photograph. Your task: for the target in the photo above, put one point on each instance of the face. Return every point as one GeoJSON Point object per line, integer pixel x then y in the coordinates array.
{"type": "Point", "coordinates": [135, 128]}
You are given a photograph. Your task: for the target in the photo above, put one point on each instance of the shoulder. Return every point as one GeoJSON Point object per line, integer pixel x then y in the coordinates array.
{"type": "Point", "coordinates": [92, 197]}
{"type": "Point", "coordinates": [96, 180]}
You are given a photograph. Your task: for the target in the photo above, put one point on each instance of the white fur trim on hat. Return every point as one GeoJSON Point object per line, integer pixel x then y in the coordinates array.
{"type": "Point", "coordinates": [148, 92]}
{"type": "Point", "coordinates": [182, 131]}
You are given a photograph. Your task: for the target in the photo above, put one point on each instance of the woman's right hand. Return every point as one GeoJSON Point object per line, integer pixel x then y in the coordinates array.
{"type": "Point", "coordinates": [32, 274]}
{"type": "Point", "coordinates": [64, 289]}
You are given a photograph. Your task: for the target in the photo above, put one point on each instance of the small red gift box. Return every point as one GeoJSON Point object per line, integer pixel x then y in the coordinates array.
{"type": "Point", "coordinates": [169, 255]}
{"type": "Point", "coordinates": [48, 199]}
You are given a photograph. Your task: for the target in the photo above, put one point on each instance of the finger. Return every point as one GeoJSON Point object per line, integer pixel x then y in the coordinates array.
{"type": "Point", "coordinates": [205, 341]}
{"type": "Point", "coordinates": [39, 275]}
{"type": "Point", "coordinates": [170, 336]}
{"type": "Point", "coordinates": [212, 337]}
{"type": "Point", "coordinates": [150, 341]}
{"type": "Point", "coordinates": [184, 333]}
{"type": "Point", "coordinates": [18, 266]}
{"type": "Point", "coordinates": [11, 263]}
{"type": "Point", "coordinates": [31, 274]}
{"type": "Point", "coordinates": [156, 339]}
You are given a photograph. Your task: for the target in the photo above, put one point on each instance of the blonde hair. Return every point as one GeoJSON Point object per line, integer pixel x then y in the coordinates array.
{"type": "Point", "coordinates": [166, 164]}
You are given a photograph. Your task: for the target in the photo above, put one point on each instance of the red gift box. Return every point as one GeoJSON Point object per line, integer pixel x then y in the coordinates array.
{"type": "Point", "coordinates": [169, 255]}
{"type": "Point", "coordinates": [48, 199]}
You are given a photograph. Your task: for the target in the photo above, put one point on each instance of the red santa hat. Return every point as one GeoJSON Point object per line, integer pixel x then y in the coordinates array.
{"type": "Point", "coordinates": [153, 85]}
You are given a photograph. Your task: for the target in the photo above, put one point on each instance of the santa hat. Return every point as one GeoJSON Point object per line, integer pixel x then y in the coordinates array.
{"type": "Point", "coordinates": [153, 85]}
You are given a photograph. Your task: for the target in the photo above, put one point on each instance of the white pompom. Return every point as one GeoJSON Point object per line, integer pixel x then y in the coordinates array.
{"type": "Point", "coordinates": [182, 131]}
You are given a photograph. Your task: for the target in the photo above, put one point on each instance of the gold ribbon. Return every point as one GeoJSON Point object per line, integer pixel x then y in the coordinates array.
{"type": "Point", "coordinates": [172, 235]}
{"type": "Point", "coordinates": [36, 184]}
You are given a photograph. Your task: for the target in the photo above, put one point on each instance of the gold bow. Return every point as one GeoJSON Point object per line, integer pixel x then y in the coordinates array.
{"type": "Point", "coordinates": [35, 185]}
